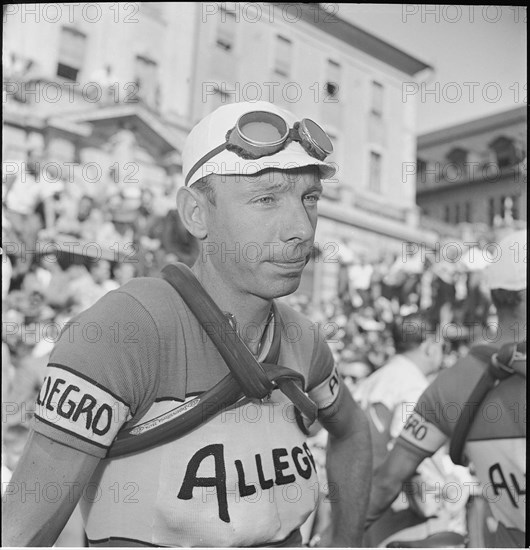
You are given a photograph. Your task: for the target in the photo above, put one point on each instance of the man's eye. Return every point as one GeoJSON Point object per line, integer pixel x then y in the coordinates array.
{"type": "Point", "coordinates": [264, 200]}
{"type": "Point", "coordinates": [312, 198]}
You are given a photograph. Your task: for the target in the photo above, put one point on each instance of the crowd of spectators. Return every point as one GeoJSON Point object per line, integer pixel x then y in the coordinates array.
{"type": "Point", "coordinates": [123, 219]}
{"type": "Point", "coordinates": [447, 287]}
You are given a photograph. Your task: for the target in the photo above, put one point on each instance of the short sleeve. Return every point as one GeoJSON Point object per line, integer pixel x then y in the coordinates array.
{"type": "Point", "coordinates": [323, 379]}
{"type": "Point", "coordinates": [425, 428]}
{"type": "Point", "coordinates": [101, 374]}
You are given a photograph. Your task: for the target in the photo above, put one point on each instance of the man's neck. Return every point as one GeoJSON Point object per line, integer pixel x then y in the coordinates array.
{"type": "Point", "coordinates": [251, 313]}
{"type": "Point", "coordinates": [511, 329]}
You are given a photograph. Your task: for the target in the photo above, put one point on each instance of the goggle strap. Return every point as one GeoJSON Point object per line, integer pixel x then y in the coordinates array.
{"type": "Point", "coordinates": [294, 133]}
{"type": "Point", "coordinates": [203, 160]}
{"type": "Point", "coordinates": [240, 152]}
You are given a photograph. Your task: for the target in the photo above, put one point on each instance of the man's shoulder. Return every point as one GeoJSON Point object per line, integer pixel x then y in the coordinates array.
{"type": "Point", "coordinates": [398, 381]}
{"type": "Point", "coordinates": [147, 298]}
{"type": "Point", "coordinates": [399, 366]}
{"type": "Point", "coordinates": [144, 287]}
{"type": "Point", "coordinates": [467, 368]}
{"type": "Point", "coordinates": [400, 374]}
{"type": "Point", "coordinates": [455, 383]}
{"type": "Point", "coordinates": [151, 292]}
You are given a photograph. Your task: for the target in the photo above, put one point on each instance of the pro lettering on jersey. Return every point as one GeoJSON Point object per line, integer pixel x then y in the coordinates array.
{"type": "Point", "coordinates": [75, 405]}
{"type": "Point", "coordinates": [422, 434]}
{"type": "Point", "coordinates": [287, 467]}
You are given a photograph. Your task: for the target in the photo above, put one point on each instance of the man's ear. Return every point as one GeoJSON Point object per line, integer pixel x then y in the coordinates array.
{"type": "Point", "coordinates": [426, 348]}
{"type": "Point", "coordinates": [433, 350]}
{"type": "Point", "coordinates": [193, 211]}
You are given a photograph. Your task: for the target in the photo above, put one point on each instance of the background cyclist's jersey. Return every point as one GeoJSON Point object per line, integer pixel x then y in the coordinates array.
{"type": "Point", "coordinates": [496, 442]}
{"type": "Point", "coordinates": [244, 478]}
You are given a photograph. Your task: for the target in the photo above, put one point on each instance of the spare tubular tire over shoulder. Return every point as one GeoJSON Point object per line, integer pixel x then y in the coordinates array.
{"type": "Point", "coordinates": [247, 377]}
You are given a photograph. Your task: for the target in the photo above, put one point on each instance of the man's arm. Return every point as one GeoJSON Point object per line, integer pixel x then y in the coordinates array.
{"type": "Point", "coordinates": [399, 465]}
{"type": "Point", "coordinates": [29, 517]}
{"type": "Point", "coordinates": [349, 468]}
{"type": "Point", "coordinates": [380, 423]}
{"type": "Point", "coordinates": [420, 438]}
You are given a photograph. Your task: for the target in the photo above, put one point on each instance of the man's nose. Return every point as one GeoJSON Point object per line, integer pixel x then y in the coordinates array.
{"type": "Point", "coordinates": [296, 223]}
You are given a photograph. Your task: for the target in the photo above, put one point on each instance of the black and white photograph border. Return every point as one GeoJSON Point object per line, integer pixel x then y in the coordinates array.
{"type": "Point", "coordinates": [338, 194]}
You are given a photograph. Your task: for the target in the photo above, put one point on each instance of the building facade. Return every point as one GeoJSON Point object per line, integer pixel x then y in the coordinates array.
{"type": "Point", "coordinates": [124, 83]}
{"type": "Point", "coordinates": [474, 174]}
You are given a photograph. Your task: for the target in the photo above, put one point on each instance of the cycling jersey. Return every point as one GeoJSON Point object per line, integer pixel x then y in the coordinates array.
{"type": "Point", "coordinates": [496, 442]}
{"type": "Point", "coordinates": [244, 478]}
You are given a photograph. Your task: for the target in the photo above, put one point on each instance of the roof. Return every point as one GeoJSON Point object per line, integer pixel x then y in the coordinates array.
{"type": "Point", "coordinates": [360, 39]}
{"type": "Point", "coordinates": [158, 132]}
{"type": "Point", "coordinates": [473, 127]}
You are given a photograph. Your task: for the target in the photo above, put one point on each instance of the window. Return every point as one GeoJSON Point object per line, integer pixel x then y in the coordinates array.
{"type": "Point", "coordinates": [377, 99]}
{"type": "Point", "coordinates": [331, 107]}
{"type": "Point", "coordinates": [332, 80]}
{"type": "Point", "coordinates": [282, 60]}
{"type": "Point", "coordinates": [502, 206]}
{"type": "Point", "coordinates": [146, 71]}
{"type": "Point", "coordinates": [457, 156]}
{"type": "Point", "coordinates": [447, 213]}
{"type": "Point", "coordinates": [491, 210]}
{"type": "Point", "coordinates": [421, 170]}
{"type": "Point", "coordinates": [455, 168]}
{"type": "Point", "coordinates": [71, 53]}
{"type": "Point", "coordinates": [515, 207]}
{"type": "Point", "coordinates": [375, 171]}
{"type": "Point", "coordinates": [226, 30]}
{"type": "Point", "coordinates": [505, 151]}
{"type": "Point", "coordinates": [468, 212]}
{"type": "Point", "coordinates": [457, 213]}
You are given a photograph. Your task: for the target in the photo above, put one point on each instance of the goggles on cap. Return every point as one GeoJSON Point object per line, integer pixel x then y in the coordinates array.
{"type": "Point", "coordinates": [261, 133]}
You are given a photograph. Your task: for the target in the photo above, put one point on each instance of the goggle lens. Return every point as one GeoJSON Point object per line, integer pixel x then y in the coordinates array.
{"type": "Point", "coordinates": [262, 128]}
{"type": "Point", "coordinates": [316, 136]}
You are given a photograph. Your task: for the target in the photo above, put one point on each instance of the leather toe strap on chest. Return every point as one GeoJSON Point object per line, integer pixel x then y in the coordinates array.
{"type": "Point", "coordinates": [247, 376]}
{"type": "Point", "coordinates": [291, 383]}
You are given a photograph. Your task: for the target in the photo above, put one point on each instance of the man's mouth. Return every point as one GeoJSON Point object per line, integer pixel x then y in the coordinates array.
{"type": "Point", "coordinates": [291, 263]}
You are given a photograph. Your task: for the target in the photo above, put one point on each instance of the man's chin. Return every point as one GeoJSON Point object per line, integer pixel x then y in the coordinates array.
{"type": "Point", "coordinates": [285, 287]}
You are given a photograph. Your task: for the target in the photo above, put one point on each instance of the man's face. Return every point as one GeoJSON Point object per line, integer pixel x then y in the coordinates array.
{"type": "Point", "coordinates": [434, 353]}
{"type": "Point", "coordinates": [261, 231]}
